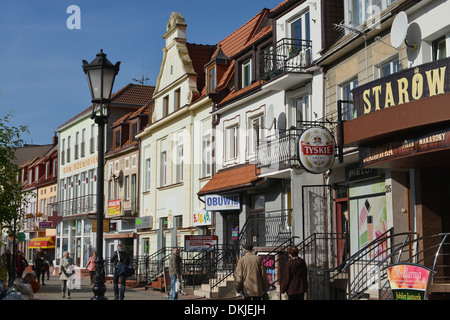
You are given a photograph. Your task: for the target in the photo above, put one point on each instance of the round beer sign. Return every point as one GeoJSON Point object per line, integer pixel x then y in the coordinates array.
{"type": "Point", "coordinates": [316, 150]}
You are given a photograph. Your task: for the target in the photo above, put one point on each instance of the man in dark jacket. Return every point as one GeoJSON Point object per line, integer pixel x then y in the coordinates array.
{"type": "Point", "coordinates": [295, 282]}
{"type": "Point", "coordinates": [119, 256]}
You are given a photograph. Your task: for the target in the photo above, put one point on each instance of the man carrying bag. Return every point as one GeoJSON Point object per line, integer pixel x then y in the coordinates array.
{"type": "Point", "coordinates": [122, 269]}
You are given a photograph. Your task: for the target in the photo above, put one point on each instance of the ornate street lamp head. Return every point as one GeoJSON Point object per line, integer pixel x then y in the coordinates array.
{"type": "Point", "coordinates": [101, 74]}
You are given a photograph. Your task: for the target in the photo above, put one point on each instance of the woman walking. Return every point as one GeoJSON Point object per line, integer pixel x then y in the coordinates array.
{"type": "Point", "coordinates": [65, 271]}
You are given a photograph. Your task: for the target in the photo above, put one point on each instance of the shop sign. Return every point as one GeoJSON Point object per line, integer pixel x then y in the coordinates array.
{"type": "Point", "coordinates": [316, 148]}
{"type": "Point", "coordinates": [215, 202]}
{"type": "Point", "coordinates": [143, 222]}
{"type": "Point", "coordinates": [201, 218]}
{"type": "Point", "coordinates": [405, 147]}
{"type": "Point", "coordinates": [199, 243]}
{"type": "Point", "coordinates": [114, 207]}
{"type": "Point", "coordinates": [354, 173]}
{"type": "Point", "coordinates": [409, 281]}
{"type": "Point", "coordinates": [412, 84]}
{"type": "Point", "coordinates": [45, 224]}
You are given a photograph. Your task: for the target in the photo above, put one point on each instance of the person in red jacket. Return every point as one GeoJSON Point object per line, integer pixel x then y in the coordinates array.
{"type": "Point", "coordinates": [295, 278]}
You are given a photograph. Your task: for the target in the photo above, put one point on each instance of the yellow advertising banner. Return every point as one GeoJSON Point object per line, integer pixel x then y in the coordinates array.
{"type": "Point", "coordinates": [114, 207]}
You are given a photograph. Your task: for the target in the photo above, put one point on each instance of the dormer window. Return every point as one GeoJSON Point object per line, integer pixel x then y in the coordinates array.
{"type": "Point", "coordinates": [246, 72]}
{"type": "Point", "coordinates": [211, 81]}
{"type": "Point", "coordinates": [117, 139]}
{"type": "Point", "coordinates": [134, 130]}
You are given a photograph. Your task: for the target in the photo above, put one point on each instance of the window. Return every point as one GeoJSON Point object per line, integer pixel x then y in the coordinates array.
{"type": "Point", "coordinates": [147, 174]}
{"type": "Point", "coordinates": [117, 139]}
{"type": "Point", "coordinates": [92, 141]}
{"type": "Point", "coordinates": [255, 132]}
{"type": "Point", "coordinates": [165, 106]}
{"type": "Point", "coordinates": [302, 111]}
{"type": "Point", "coordinates": [300, 36]}
{"type": "Point", "coordinates": [211, 81]}
{"type": "Point", "coordinates": [134, 130]}
{"type": "Point", "coordinates": [349, 112]}
{"type": "Point", "coordinates": [83, 138]}
{"type": "Point", "coordinates": [232, 135]}
{"type": "Point", "coordinates": [388, 68]}
{"type": "Point", "coordinates": [163, 169]}
{"type": "Point", "coordinates": [246, 71]}
{"type": "Point", "coordinates": [68, 149]}
{"type": "Point", "coordinates": [77, 137]}
{"type": "Point", "coordinates": [179, 163]}
{"type": "Point", "coordinates": [361, 11]}
{"type": "Point", "coordinates": [55, 167]}
{"type": "Point", "coordinates": [127, 188]}
{"type": "Point", "coordinates": [439, 49]}
{"type": "Point", "coordinates": [177, 99]}
{"type": "Point", "coordinates": [133, 190]}
{"type": "Point", "coordinates": [206, 158]}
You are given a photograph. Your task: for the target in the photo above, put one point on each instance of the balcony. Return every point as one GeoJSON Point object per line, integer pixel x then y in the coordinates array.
{"type": "Point", "coordinates": [76, 206]}
{"type": "Point", "coordinates": [277, 152]}
{"type": "Point", "coordinates": [283, 64]}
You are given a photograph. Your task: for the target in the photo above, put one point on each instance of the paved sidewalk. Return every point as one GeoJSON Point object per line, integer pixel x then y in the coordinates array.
{"type": "Point", "coordinates": [52, 291]}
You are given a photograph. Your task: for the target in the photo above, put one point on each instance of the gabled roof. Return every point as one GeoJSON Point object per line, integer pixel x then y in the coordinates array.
{"type": "Point", "coordinates": [132, 95]}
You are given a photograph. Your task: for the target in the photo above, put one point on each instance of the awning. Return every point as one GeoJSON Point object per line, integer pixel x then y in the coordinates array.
{"type": "Point", "coordinates": [42, 242]}
{"type": "Point", "coordinates": [231, 179]}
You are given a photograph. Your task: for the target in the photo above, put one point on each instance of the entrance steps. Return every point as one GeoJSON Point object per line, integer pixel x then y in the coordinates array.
{"type": "Point", "coordinates": [225, 289]}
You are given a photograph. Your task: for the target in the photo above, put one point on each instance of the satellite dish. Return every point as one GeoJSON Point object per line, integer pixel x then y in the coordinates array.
{"type": "Point", "coordinates": [270, 117]}
{"type": "Point", "coordinates": [414, 39]}
{"type": "Point", "coordinates": [399, 29]}
{"type": "Point", "coordinates": [282, 121]}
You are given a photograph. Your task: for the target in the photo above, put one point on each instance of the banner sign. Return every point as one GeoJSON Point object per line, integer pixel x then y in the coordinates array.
{"type": "Point", "coordinates": [404, 147]}
{"type": "Point", "coordinates": [415, 83]}
{"type": "Point", "coordinates": [412, 84]}
{"type": "Point", "coordinates": [199, 243]}
{"type": "Point", "coordinates": [409, 281]}
{"type": "Point", "coordinates": [114, 207]}
{"type": "Point", "coordinates": [215, 202]}
{"type": "Point", "coordinates": [315, 149]}
{"type": "Point", "coordinates": [201, 218]}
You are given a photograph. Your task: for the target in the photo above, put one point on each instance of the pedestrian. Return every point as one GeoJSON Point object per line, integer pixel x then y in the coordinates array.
{"type": "Point", "coordinates": [6, 267]}
{"type": "Point", "coordinates": [21, 264]}
{"type": "Point", "coordinates": [175, 269]}
{"type": "Point", "coordinates": [295, 281]}
{"type": "Point", "coordinates": [49, 261]}
{"type": "Point", "coordinates": [65, 273]}
{"type": "Point", "coordinates": [40, 265]}
{"type": "Point", "coordinates": [120, 255]}
{"type": "Point", "coordinates": [91, 266]}
{"type": "Point", "coordinates": [346, 232]}
{"type": "Point", "coordinates": [250, 276]}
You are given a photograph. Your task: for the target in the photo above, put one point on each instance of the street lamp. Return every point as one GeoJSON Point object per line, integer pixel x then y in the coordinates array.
{"type": "Point", "coordinates": [100, 74]}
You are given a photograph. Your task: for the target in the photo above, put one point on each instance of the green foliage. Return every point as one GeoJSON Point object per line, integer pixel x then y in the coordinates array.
{"type": "Point", "coordinates": [11, 193]}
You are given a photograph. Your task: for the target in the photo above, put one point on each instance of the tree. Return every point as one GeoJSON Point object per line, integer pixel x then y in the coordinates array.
{"type": "Point", "coordinates": [12, 196]}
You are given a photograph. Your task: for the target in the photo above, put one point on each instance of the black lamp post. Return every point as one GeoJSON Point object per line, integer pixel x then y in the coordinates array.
{"type": "Point", "coordinates": [100, 74]}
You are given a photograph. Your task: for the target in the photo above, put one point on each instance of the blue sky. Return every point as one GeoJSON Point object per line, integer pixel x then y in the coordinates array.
{"type": "Point", "coordinates": [41, 79]}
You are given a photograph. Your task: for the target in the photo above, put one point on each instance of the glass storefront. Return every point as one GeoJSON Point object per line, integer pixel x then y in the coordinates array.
{"type": "Point", "coordinates": [76, 237]}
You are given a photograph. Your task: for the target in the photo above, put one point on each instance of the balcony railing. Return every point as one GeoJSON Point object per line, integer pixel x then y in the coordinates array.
{"type": "Point", "coordinates": [287, 55]}
{"type": "Point", "coordinates": [80, 205]}
{"type": "Point", "coordinates": [278, 151]}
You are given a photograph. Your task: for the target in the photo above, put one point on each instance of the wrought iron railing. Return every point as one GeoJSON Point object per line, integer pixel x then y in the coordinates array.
{"type": "Point", "coordinates": [287, 55]}
{"type": "Point", "coordinates": [279, 150]}
{"type": "Point", "coordinates": [78, 205]}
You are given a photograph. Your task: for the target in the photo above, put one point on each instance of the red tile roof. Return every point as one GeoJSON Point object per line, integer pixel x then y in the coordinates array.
{"type": "Point", "coordinates": [231, 179]}
{"type": "Point", "coordinates": [131, 95]}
